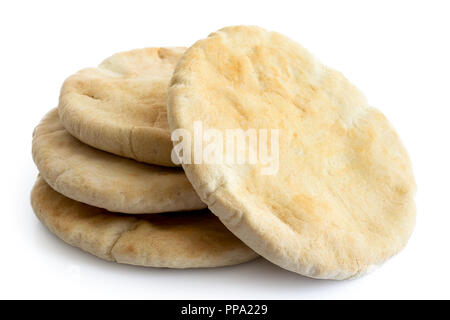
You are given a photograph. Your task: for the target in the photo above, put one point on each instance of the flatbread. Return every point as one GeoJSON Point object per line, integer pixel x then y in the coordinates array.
{"type": "Point", "coordinates": [104, 180]}
{"type": "Point", "coordinates": [341, 201]}
{"type": "Point", "coordinates": [120, 106]}
{"type": "Point", "coordinates": [177, 240]}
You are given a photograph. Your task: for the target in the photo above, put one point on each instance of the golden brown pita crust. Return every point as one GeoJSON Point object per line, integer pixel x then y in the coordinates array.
{"type": "Point", "coordinates": [104, 180]}
{"type": "Point", "coordinates": [120, 106]}
{"type": "Point", "coordinates": [342, 199]}
{"type": "Point", "coordinates": [177, 240]}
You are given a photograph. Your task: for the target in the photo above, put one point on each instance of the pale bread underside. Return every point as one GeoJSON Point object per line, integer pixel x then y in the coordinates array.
{"type": "Point", "coordinates": [342, 199]}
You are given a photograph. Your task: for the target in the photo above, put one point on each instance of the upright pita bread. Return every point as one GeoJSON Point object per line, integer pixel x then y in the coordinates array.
{"type": "Point", "coordinates": [341, 201]}
{"type": "Point", "coordinates": [120, 106]}
{"type": "Point", "coordinates": [177, 240]}
{"type": "Point", "coordinates": [104, 180]}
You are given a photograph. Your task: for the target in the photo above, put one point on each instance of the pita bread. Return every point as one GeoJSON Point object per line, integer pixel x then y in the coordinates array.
{"type": "Point", "coordinates": [120, 106]}
{"type": "Point", "coordinates": [104, 180]}
{"type": "Point", "coordinates": [341, 201]}
{"type": "Point", "coordinates": [176, 240]}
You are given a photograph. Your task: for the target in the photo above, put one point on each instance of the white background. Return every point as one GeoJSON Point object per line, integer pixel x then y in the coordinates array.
{"type": "Point", "coordinates": [397, 52]}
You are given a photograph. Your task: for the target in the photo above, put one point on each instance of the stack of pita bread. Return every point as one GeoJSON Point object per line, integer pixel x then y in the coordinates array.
{"type": "Point", "coordinates": [340, 203]}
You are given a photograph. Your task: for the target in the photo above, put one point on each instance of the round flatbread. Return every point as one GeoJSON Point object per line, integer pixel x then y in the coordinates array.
{"type": "Point", "coordinates": [120, 106]}
{"type": "Point", "coordinates": [177, 240]}
{"type": "Point", "coordinates": [104, 180]}
{"type": "Point", "coordinates": [340, 199]}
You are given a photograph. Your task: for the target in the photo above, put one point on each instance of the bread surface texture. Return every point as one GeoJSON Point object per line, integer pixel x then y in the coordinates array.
{"type": "Point", "coordinates": [342, 199]}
